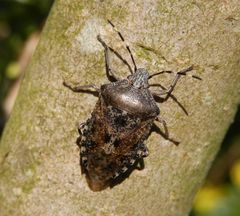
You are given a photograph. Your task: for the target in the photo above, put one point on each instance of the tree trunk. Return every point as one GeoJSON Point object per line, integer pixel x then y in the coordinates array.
{"type": "Point", "coordinates": [40, 172]}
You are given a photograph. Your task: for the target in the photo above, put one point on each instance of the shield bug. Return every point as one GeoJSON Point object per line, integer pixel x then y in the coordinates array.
{"type": "Point", "coordinates": [111, 141]}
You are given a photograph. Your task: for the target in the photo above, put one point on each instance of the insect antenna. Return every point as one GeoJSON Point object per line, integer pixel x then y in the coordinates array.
{"type": "Point", "coordinates": [127, 47]}
{"type": "Point", "coordinates": [183, 72]}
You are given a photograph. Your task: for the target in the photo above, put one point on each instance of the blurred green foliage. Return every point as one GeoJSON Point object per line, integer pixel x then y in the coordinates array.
{"type": "Point", "coordinates": [230, 205]}
{"type": "Point", "coordinates": [220, 196]}
{"type": "Point", "coordinates": [18, 19]}
{"type": "Point", "coordinates": [219, 204]}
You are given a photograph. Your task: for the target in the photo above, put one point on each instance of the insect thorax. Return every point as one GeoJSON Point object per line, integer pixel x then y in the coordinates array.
{"type": "Point", "coordinates": [127, 97]}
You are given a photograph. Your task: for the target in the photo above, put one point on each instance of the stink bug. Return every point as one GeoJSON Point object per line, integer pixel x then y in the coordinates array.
{"type": "Point", "coordinates": [112, 139]}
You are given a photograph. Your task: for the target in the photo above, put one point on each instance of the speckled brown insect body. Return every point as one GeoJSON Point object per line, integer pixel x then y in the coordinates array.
{"type": "Point", "coordinates": [112, 139]}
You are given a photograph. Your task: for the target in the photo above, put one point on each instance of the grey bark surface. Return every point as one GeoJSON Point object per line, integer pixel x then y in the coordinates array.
{"type": "Point", "coordinates": [39, 161]}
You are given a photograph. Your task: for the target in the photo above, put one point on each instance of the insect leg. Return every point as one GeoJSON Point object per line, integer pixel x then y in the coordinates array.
{"type": "Point", "coordinates": [162, 121]}
{"type": "Point", "coordinates": [165, 134]}
{"type": "Point", "coordinates": [168, 91]}
{"type": "Point", "coordinates": [80, 88]}
{"type": "Point", "coordinates": [116, 53]}
{"type": "Point", "coordinates": [79, 139]}
{"type": "Point", "coordinates": [140, 151]}
{"type": "Point", "coordinates": [130, 158]}
{"type": "Point", "coordinates": [158, 73]}
{"type": "Point", "coordinates": [183, 72]}
{"type": "Point", "coordinates": [109, 71]}
{"type": "Point", "coordinates": [159, 99]}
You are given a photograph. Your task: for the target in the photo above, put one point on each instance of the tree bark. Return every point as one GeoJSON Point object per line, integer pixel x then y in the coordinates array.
{"type": "Point", "coordinates": [40, 173]}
